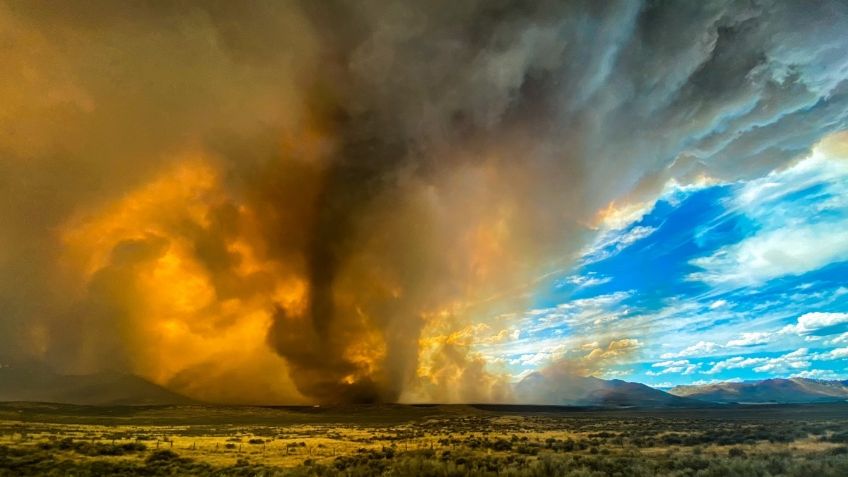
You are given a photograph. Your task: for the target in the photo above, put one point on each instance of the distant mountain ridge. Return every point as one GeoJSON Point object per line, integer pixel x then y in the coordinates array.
{"type": "Point", "coordinates": [33, 382]}
{"type": "Point", "coordinates": [537, 388]}
{"type": "Point", "coordinates": [38, 383]}
{"type": "Point", "coordinates": [777, 390]}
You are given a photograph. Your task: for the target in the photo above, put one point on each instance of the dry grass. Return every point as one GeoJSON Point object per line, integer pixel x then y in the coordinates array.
{"type": "Point", "coordinates": [288, 439]}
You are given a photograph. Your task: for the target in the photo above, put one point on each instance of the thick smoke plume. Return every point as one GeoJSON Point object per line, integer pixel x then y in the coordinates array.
{"type": "Point", "coordinates": [310, 201]}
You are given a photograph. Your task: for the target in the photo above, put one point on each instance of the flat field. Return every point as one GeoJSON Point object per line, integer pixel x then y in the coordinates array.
{"type": "Point", "coordinates": [401, 440]}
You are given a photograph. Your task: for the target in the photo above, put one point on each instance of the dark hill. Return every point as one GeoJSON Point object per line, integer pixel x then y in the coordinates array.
{"type": "Point", "coordinates": [34, 382]}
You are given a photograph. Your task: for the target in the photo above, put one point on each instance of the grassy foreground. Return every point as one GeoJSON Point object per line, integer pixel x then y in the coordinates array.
{"type": "Point", "coordinates": [46, 439]}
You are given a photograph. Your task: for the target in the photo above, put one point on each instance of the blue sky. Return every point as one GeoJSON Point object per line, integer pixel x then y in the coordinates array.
{"type": "Point", "coordinates": [724, 281]}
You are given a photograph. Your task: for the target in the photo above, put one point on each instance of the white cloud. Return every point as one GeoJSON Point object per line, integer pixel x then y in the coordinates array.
{"type": "Point", "coordinates": [718, 304]}
{"type": "Point", "coordinates": [837, 353]}
{"type": "Point", "coordinates": [518, 377]}
{"type": "Point", "coordinates": [797, 359]}
{"type": "Point", "coordinates": [576, 313]}
{"type": "Point", "coordinates": [502, 336]}
{"type": "Point", "coordinates": [818, 374]}
{"type": "Point", "coordinates": [700, 348]}
{"type": "Point", "coordinates": [810, 322]}
{"type": "Point", "coordinates": [613, 242]}
{"type": "Point", "coordinates": [704, 382]}
{"type": "Point", "coordinates": [588, 280]}
{"type": "Point", "coordinates": [750, 339]}
{"type": "Point", "coordinates": [778, 365]}
{"type": "Point", "coordinates": [775, 253]}
{"type": "Point", "coordinates": [532, 359]}
{"type": "Point", "coordinates": [842, 338]}
{"type": "Point", "coordinates": [796, 233]}
{"type": "Point", "coordinates": [680, 366]}
{"type": "Point", "coordinates": [543, 355]}
{"type": "Point", "coordinates": [666, 364]}
{"type": "Point", "coordinates": [735, 362]}
{"type": "Point", "coordinates": [634, 235]}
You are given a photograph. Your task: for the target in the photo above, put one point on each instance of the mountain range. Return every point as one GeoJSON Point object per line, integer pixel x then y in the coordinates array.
{"type": "Point", "coordinates": [34, 382]}
{"type": "Point", "coordinates": [792, 390]}
{"type": "Point", "coordinates": [563, 389]}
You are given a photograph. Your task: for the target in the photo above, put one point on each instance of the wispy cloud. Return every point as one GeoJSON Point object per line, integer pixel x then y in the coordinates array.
{"type": "Point", "coordinates": [584, 281]}
{"type": "Point", "coordinates": [797, 359]}
{"type": "Point", "coordinates": [701, 348]}
{"type": "Point", "coordinates": [802, 225]}
{"type": "Point", "coordinates": [682, 366]}
{"type": "Point", "coordinates": [751, 339]}
{"type": "Point", "coordinates": [613, 242]}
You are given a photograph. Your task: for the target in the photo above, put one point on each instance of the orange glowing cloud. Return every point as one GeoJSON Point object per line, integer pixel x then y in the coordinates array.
{"type": "Point", "coordinates": [175, 318]}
